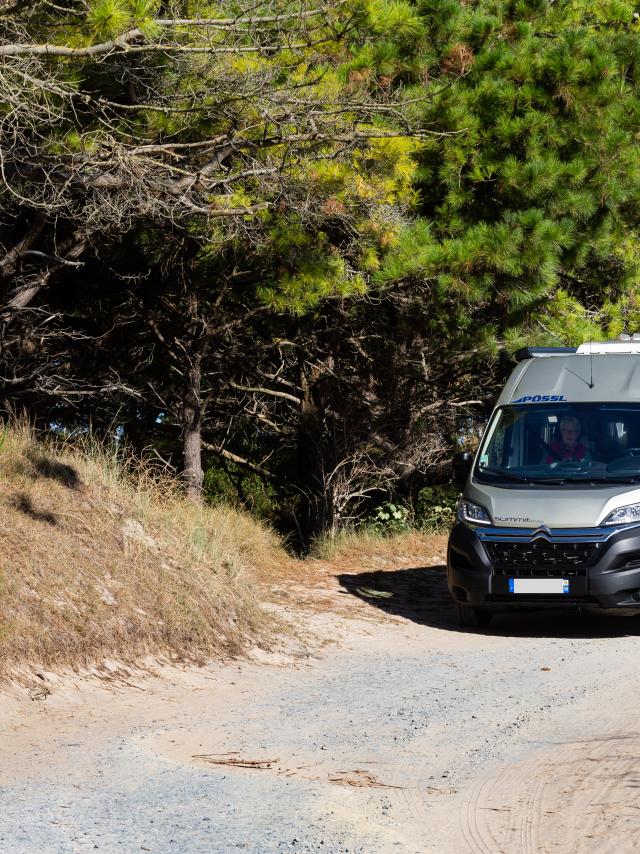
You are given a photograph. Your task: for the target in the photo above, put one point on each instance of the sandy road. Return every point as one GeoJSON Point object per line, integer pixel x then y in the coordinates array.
{"type": "Point", "coordinates": [580, 797]}
{"type": "Point", "coordinates": [405, 735]}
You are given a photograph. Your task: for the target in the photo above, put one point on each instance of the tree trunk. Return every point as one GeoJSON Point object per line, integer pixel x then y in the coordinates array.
{"type": "Point", "coordinates": [192, 414]}
{"type": "Point", "coordinates": [319, 517]}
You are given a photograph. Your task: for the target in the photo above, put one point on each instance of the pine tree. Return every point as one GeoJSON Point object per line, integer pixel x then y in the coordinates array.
{"type": "Point", "coordinates": [213, 135]}
{"type": "Point", "coordinates": [529, 207]}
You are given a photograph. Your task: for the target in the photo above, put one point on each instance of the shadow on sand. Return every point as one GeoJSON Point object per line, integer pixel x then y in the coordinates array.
{"type": "Point", "coordinates": [421, 595]}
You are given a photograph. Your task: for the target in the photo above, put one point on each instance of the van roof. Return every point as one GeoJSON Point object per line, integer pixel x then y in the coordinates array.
{"type": "Point", "coordinates": [628, 344]}
{"type": "Point", "coordinates": [609, 376]}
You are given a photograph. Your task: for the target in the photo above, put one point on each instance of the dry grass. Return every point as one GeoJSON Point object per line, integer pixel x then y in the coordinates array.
{"type": "Point", "coordinates": [361, 546]}
{"type": "Point", "coordinates": [101, 559]}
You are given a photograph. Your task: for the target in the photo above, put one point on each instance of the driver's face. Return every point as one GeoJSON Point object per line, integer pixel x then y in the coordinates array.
{"type": "Point", "coordinates": [570, 432]}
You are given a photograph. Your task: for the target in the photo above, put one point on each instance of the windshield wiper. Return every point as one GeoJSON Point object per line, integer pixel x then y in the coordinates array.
{"type": "Point", "coordinates": [557, 480]}
{"type": "Point", "coordinates": [591, 481]}
{"type": "Point", "coordinates": [633, 478]}
{"type": "Point", "coordinates": [504, 473]}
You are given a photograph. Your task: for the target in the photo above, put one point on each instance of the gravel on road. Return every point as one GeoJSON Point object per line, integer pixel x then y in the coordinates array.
{"type": "Point", "coordinates": [405, 735]}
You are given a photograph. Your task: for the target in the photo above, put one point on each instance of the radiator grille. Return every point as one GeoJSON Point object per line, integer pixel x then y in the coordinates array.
{"type": "Point", "coordinates": [554, 599]}
{"type": "Point", "coordinates": [541, 553]}
{"type": "Point", "coordinates": [541, 572]}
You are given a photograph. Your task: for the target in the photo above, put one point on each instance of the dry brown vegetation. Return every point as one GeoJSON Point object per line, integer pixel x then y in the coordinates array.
{"type": "Point", "coordinates": [100, 558]}
{"type": "Point", "coordinates": [357, 548]}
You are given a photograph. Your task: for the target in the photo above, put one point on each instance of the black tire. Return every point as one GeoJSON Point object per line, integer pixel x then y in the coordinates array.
{"type": "Point", "coordinates": [473, 618]}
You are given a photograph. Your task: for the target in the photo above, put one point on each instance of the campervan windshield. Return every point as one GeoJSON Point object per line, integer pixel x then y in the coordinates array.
{"type": "Point", "coordinates": [558, 444]}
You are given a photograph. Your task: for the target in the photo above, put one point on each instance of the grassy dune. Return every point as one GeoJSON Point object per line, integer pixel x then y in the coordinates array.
{"type": "Point", "coordinates": [100, 558]}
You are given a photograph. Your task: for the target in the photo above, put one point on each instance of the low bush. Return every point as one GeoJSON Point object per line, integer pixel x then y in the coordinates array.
{"type": "Point", "coordinates": [436, 507]}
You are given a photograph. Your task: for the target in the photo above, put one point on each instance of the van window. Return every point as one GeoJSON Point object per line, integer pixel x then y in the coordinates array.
{"type": "Point", "coordinates": [562, 443]}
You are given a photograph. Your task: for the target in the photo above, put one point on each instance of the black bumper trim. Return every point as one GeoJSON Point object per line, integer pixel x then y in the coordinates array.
{"type": "Point", "coordinates": [611, 581]}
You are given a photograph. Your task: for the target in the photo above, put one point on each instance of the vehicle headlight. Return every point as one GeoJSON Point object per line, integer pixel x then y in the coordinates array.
{"type": "Point", "coordinates": [474, 513]}
{"type": "Point", "coordinates": [623, 515]}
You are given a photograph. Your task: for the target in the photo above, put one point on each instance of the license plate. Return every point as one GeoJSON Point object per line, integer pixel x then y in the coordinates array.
{"type": "Point", "coordinates": [538, 585]}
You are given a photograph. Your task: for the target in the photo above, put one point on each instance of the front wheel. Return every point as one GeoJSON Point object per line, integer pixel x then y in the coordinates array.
{"type": "Point", "coordinates": [473, 618]}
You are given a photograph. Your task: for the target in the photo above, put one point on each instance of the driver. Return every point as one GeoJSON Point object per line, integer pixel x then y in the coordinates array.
{"type": "Point", "coordinates": [570, 448]}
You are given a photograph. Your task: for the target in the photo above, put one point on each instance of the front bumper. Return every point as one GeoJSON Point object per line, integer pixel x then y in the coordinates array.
{"type": "Point", "coordinates": [604, 571]}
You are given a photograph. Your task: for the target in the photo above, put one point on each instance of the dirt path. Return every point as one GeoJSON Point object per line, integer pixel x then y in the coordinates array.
{"type": "Point", "coordinates": [579, 797]}
{"type": "Point", "coordinates": [392, 731]}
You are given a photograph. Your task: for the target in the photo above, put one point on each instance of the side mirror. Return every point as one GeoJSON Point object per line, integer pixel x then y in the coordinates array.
{"type": "Point", "coordinates": [462, 463]}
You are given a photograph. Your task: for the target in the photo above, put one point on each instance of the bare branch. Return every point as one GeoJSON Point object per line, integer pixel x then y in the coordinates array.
{"type": "Point", "coordinates": [125, 43]}
{"type": "Point", "coordinates": [251, 20]}
{"type": "Point", "coordinates": [10, 261]}
{"type": "Point", "coordinates": [268, 391]}
{"type": "Point", "coordinates": [31, 287]}
{"type": "Point", "coordinates": [235, 458]}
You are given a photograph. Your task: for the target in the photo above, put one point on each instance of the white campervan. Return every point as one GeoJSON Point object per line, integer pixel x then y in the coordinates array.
{"type": "Point", "coordinates": [550, 511]}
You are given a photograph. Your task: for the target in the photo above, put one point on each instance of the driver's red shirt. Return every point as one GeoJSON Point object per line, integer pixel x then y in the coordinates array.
{"type": "Point", "coordinates": [578, 453]}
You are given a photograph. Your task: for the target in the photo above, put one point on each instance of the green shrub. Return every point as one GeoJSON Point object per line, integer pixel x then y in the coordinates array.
{"type": "Point", "coordinates": [258, 496]}
{"type": "Point", "coordinates": [219, 488]}
{"type": "Point", "coordinates": [254, 493]}
{"type": "Point", "coordinates": [436, 507]}
{"type": "Point", "coordinates": [390, 518]}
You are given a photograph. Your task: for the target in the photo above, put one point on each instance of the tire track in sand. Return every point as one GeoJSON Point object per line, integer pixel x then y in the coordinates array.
{"type": "Point", "coordinates": [580, 796]}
